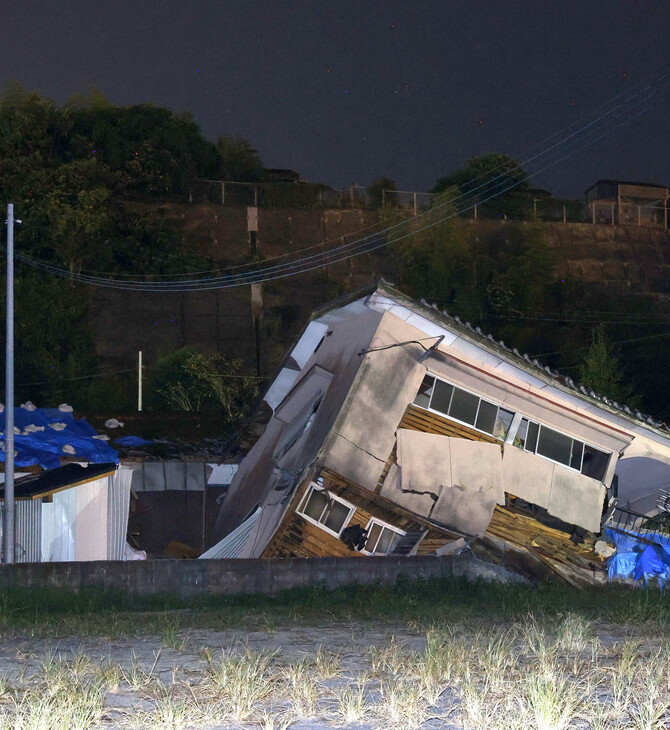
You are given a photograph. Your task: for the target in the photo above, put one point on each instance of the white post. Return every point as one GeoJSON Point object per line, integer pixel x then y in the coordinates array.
{"type": "Point", "coordinates": [475, 211]}
{"type": "Point", "coordinates": [8, 514]}
{"type": "Point", "coordinates": [139, 381]}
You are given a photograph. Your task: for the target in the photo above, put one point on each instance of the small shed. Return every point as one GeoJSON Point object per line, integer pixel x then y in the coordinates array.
{"type": "Point", "coordinates": [72, 513]}
{"type": "Point", "coordinates": [615, 202]}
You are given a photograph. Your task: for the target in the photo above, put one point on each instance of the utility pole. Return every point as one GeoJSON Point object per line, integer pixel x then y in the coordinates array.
{"type": "Point", "coordinates": [8, 513]}
{"type": "Point", "coordinates": [139, 381]}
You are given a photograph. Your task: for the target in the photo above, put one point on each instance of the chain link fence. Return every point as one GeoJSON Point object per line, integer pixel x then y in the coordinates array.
{"type": "Point", "coordinates": [520, 206]}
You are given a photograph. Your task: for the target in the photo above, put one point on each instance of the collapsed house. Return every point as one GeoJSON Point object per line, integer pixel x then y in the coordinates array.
{"type": "Point", "coordinates": [399, 430]}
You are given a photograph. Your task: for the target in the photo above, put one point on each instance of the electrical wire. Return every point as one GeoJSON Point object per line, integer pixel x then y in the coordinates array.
{"type": "Point", "coordinates": [246, 278]}
{"type": "Point", "coordinates": [373, 242]}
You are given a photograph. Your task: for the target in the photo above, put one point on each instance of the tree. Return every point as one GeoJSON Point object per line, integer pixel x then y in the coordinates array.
{"type": "Point", "coordinates": [382, 192]}
{"type": "Point", "coordinates": [485, 176]}
{"type": "Point", "coordinates": [602, 372]}
{"type": "Point", "coordinates": [239, 161]}
{"type": "Point", "coordinates": [188, 380]}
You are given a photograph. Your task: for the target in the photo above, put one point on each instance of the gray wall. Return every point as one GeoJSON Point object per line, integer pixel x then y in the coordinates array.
{"type": "Point", "coordinates": [192, 578]}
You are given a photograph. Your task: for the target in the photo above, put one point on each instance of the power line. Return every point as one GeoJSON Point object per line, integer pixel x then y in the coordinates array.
{"type": "Point", "coordinates": [373, 242]}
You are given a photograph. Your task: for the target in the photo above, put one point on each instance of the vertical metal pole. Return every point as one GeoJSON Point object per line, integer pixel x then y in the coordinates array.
{"type": "Point", "coordinates": [8, 514]}
{"type": "Point", "coordinates": [475, 211]}
{"type": "Point", "coordinates": [612, 213]}
{"type": "Point", "coordinates": [593, 213]}
{"type": "Point", "coordinates": [139, 381]}
{"type": "Point", "coordinates": [414, 203]}
{"type": "Point", "coordinates": [223, 193]}
{"type": "Point", "coordinates": [383, 198]}
{"type": "Point", "coordinates": [565, 215]}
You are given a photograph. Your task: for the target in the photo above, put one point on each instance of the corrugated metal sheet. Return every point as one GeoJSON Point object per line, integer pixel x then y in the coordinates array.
{"type": "Point", "coordinates": [159, 476]}
{"type": "Point", "coordinates": [27, 530]}
{"type": "Point", "coordinates": [231, 545]}
{"type": "Point", "coordinates": [118, 503]}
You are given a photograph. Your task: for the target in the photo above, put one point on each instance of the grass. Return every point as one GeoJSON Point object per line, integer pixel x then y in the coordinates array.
{"type": "Point", "coordinates": [456, 653]}
{"type": "Point", "coordinates": [48, 612]}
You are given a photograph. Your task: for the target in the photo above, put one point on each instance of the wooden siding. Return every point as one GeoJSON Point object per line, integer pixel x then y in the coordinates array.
{"type": "Point", "coordinates": [418, 419]}
{"type": "Point", "coordinates": [533, 548]}
{"type": "Point", "coordinates": [297, 537]}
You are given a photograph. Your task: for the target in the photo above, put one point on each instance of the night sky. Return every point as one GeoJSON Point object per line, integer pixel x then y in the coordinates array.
{"type": "Point", "coordinates": [346, 91]}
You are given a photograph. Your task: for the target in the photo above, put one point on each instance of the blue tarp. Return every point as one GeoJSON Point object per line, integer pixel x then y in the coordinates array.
{"type": "Point", "coordinates": [44, 435]}
{"type": "Point", "coordinates": [132, 441]}
{"type": "Point", "coordinates": [638, 560]}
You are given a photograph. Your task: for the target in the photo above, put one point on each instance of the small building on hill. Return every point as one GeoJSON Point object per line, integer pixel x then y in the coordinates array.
{"type": "Point", "coordinates": [615, 202]}
{"type": "Point", "coordinates": [399, 430]}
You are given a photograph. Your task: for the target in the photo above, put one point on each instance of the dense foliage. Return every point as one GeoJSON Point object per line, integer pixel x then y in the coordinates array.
{"type": "Point", "coordinates": [503, 279]}
{"type": "Point", "coordinates": [70, 170]}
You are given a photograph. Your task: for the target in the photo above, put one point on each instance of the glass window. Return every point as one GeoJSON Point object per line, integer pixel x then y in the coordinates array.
{"type": "Point", "coordinates": [531, 438]}
{"type": "Point", "coordinates": [327, 510]}
{"type": "Point", "coordinates": [503, 422]}
{"type": "Point", "coordinates": [386, 541]}
{"type": "Point", "coordinates": [486, 417]}
{"type": "Point", "coordinates": [554, 445]}
{"type": "Point", "coordinates": [521, 434]}
{"type": "Point", "coordinates": [595, 462]}
{"type": "Point", "coordinates": [576, 458]}
{"type": "Point", "coordinates": [561, 448]}
{"type": "Point", "coordinates": [441, 396]}
{"type": "Point", "coordinates": [425, 391]}
{"type": "Point", "coordinates": [464, 406]}
{"type": "Point", "coordinates": [316, 504]}
{"type": "Point", "coordinates": [337, 516]}
{"type": "Point", "coordinates": [381, 538]}
{"type": "Point", "coordinates": [374, 531]}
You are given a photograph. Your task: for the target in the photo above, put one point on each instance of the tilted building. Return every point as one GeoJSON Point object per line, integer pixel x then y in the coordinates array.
{"type": "Point", "coordinates": [397, 429]}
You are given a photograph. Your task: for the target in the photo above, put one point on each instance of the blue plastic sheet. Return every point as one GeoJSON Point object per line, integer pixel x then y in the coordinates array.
{"type": "Point", "coordinates": [638, 560]}
{"type": "Point", "coordinates": [132, 441]}
{"type": "Point", "coordinates": [47, 434]}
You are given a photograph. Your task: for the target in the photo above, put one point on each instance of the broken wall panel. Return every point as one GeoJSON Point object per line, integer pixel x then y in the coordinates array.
{"type": "Point", "coordinates": [576, 499]}
{"type": "Point", "coordinates": [564, 493]}
{"type": "Point", "coordinates": [464, 510]}
{"type": "Point", "coordinates": [419, 503]}
{"type": "Point", "coordinates": [527, 476]}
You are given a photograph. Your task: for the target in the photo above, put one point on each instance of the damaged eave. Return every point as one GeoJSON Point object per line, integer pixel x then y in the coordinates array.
{"type": "Point", "coordinates": [550, 378]}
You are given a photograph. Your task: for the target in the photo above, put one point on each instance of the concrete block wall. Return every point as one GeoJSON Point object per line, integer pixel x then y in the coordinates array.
{"type": "Point", "coordinates": [193, 578]}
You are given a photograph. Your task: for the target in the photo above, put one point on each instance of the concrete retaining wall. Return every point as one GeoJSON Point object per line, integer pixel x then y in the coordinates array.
{"type": "Point", "coordinates": [193, 578]}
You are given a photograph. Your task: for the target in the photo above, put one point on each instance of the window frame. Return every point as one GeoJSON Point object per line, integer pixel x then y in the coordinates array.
{"type": "Point", "coordinates": [313, 486]}
{"type": "Point", "coordinates": [458, 420]}
{"type": "Point", "coordinates": [382, 524]}
{"type": "Point", "coordinates": [574, 439]}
